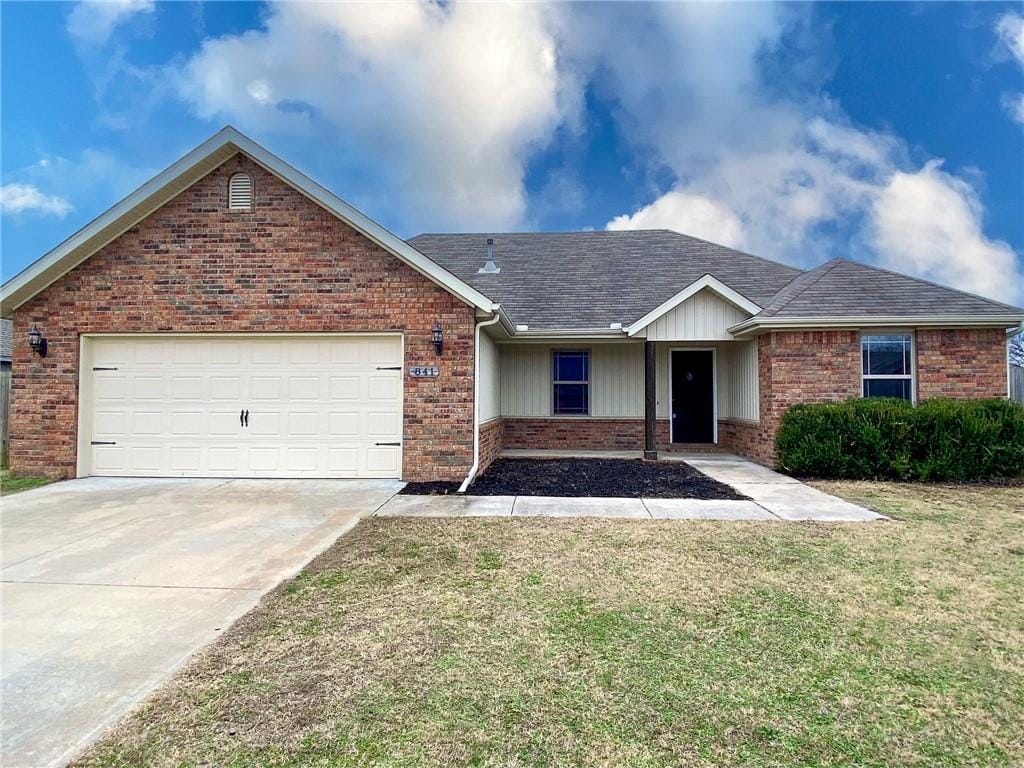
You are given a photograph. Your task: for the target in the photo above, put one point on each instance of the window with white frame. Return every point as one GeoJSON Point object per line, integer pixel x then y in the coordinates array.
{"type": "Point", "coordinates": [570, 377]}
{"type": "Point", "coordinates": [887, 365]}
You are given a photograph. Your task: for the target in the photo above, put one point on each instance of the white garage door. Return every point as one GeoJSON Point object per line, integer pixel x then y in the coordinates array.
{"type": "Point", "coordinates": [245, 406]}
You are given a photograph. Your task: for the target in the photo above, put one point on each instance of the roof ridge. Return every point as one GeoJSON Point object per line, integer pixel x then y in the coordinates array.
{"type": "Point", "coordinates": [615, 232]}
{"type": "Point", "coordinates": [925, 280]}
{"type": "Point", "coordinates": [824, 268]}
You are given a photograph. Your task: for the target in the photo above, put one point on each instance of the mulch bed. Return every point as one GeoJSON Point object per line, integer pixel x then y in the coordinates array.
{"type": "Point", "coordinates": [623, 478]}
{"type": "Point", "coordinates": [435, 488]}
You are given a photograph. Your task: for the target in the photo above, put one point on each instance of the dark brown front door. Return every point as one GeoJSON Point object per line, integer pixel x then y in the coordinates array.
{"type": "Point", "coordinates": [693, 396]}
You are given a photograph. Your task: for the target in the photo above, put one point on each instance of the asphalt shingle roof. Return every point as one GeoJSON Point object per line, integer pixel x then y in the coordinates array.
{"type": "Point", "coordinates": [574, 280]}
{"type": "Point", "coordinates": [589, 280]}
{"type": "Point", "coordinates": [843, 288]}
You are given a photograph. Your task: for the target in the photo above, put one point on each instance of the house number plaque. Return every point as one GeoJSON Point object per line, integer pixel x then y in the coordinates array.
{"type": "Point", "coordinates": [424, 371]}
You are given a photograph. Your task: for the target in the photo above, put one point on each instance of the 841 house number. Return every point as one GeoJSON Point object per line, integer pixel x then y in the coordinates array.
{"type": "Point", "coordinates": [424, 371]}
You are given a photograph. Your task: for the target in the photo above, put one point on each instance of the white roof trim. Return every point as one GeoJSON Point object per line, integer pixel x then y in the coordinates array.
{"type": "Point", "coordinates": [755, 324]}
{"type": "Point", "coordinates": [218, 148]}
{"type": "Point", "coordinates": [707, 281]}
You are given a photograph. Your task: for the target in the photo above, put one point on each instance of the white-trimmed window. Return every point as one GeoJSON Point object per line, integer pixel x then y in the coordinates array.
{"type": "Point", "coordinates": [570, 378]}
{"type": "Point", "coordinates": [240, 192]}
{"type": "Point", "coordinates": [887, 365]}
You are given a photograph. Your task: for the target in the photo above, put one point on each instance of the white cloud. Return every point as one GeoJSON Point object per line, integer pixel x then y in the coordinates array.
{"type": "Point", "coordinates": [691, 214]}
{"type": "Point", "coordinates": [791, 173]}
{"type": "Point", "coordinates": [929, 223]}
{"type": "Point", "coordinates": [94, 21]}
{"type": "Point", "coordinates": [1010, 29]}
{"type": "Point", "coordinates": [1014, 106]}
{"type": "Point", "coordinates": [27, 198]}
{"type": "Point", "coordinates": [448, 102]}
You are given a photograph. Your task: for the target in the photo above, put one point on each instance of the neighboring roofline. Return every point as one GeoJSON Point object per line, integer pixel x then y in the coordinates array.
{"type": "Point", "coordinates": [706, 281]}
{"type": "Point", "coordinates": [52, 266]}
{"type": "Point", "coordinates": [756, 324]}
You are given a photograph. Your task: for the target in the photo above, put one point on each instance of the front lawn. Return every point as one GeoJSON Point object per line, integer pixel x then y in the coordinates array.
{"type": "Point", "coordinates": [572, 642]}
{"type": "Point", "coordinates": [14, 483]}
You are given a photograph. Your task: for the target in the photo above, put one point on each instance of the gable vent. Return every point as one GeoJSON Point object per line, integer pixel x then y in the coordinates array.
{"type": "Point", "coordinates": [240, 192]}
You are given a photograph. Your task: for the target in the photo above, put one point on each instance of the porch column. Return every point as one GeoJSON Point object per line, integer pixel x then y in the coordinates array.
{"type": "Point", "coordinates": [650, 449]}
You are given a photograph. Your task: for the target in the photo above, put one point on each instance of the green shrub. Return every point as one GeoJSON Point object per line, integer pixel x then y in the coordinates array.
{"type": "Point", "coordinates": [878, 438]}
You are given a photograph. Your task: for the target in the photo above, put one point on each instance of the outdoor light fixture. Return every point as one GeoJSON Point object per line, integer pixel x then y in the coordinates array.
{"type": "Point", "coordinates": [438, 338]}
{"type": "Point", "coordinates": [37, 342]}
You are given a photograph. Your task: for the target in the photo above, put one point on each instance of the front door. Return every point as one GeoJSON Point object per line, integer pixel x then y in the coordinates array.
{"type": "Point", "coordinates": [693, 396]}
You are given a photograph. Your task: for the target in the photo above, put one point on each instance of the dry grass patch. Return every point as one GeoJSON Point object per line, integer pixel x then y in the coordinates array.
{"type": "Point", "coordinates": [551, 642]}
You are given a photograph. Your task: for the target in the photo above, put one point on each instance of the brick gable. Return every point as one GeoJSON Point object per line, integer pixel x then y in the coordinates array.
{"type": "Point", "coordinates": [288, 266]}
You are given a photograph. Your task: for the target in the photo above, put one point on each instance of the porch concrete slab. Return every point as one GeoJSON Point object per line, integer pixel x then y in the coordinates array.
{"type": "Point", "coordinates": [557, 506]}
{"type": "Point", "coordinates": [707, 509]}
{"type": "Point", "coordinates": [447, 506]}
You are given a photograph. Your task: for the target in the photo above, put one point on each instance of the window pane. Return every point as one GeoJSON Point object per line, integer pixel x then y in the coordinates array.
{"type": "Point", "coordinates": [886, 355]}
{"type": "Point", "coordinates": [887, 388]}
{"type": "Point", "coordinates": [570, 366]}
{"type": "Point", "coordinates": [571, 398]}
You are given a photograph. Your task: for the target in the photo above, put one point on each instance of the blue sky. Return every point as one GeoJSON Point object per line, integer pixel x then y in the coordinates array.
{"type": "Point", "coordinates": [888, 133]}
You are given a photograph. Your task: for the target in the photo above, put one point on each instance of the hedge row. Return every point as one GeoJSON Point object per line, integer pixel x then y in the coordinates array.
{"type": "Point", "coordinates": [879, 438]}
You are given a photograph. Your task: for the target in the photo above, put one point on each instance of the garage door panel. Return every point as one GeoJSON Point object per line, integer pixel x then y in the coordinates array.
{"type": "Point", "coordinates": [110, 388]}
{"type": "Point", "coordinates": [382, 460]}
{"type": "Point", "coordinates": [225, 388]}
{"type": "Point", "coordinates": [304, 387]}
{"type": "Point", "coordinates": [317, 406]}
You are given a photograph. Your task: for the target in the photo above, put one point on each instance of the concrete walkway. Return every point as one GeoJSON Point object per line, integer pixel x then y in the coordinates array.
{"type": "Point", "coordinates": [108, 584]}
{"type": "Point", "coordinates": [773, 497]}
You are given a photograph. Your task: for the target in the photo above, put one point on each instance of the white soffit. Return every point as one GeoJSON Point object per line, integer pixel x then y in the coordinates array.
{"type": "Point", "coordinates": [184, 173]}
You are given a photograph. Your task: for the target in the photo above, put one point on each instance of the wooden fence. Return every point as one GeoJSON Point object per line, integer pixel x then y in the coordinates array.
{"type": "Point", "coordinates": [1017, 383]}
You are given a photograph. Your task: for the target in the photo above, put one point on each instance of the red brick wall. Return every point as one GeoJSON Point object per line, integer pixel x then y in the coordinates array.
{"type": "Point", "coordinates": [580, 434]}
{"type": "Point", "coordinates": [820, 366]}
{"type": "Point", "coordinates": [964, 363]}
{"type": "Point", "coordinates": [287, 266]}
{"type": "Point", "coordinates": [491, 442]}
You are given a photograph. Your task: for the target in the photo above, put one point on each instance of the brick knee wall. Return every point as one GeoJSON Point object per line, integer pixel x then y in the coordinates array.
{"type": "Point", "coordinates": [581, 434]}
{"type": "Point", "coordinates": [287, 266]}
{"type": "Point", "coordinates": [491, 442]}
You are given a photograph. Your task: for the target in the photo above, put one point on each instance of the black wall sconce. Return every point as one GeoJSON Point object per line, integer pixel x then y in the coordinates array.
{"type": "Point", "coordinates": [37, 341]}
{"type": "Point", "coordinates": [438, 338]}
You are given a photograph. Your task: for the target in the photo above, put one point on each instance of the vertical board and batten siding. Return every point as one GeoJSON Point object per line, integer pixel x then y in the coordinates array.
{"type": "Point", "coordinates": [704, 316]}
{"type": "Point", "coordinates": [490, 377]}
{"type": "Point", "coordinates": [740, 360]}
{"type": "Point", "coordinates": [617, 379]}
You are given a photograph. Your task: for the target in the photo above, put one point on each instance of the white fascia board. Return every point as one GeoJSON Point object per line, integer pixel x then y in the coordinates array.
{"type": "Point", "coordinates": [570, 333]}
{"type": "Point", "coordinates": [755, 324]}
{"type": "Point", "coordinates": [66, 256]}
{"type": "Point", "coordinates": [707, 281]}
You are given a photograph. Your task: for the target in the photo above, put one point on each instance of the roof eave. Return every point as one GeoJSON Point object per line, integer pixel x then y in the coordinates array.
{"type": "Point", "coordinates": [755, 325]}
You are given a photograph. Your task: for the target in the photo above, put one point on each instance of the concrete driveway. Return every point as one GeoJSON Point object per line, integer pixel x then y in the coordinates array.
{"type": "Point", "coordinates": [108, 584]}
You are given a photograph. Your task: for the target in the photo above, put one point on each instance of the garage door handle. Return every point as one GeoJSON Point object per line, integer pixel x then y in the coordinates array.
{"type": "Point", "coordinates": [395, 444]}
{"type": "Point", "coordinates": [102, 442]}
{"type": "Point", "coordinates": [389, 367]}
{"type": "Point", "coordinates": [243, 418]}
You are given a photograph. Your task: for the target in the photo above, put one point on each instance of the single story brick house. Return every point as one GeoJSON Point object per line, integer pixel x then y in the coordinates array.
{"type": "Point", "coordinates": [234, 318]}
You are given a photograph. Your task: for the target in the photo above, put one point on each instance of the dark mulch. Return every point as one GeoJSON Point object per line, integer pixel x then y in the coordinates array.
{"type": "Point", "coordinates": [437, 488]}
{"type": "Point", "coordinates": [627, 478]}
